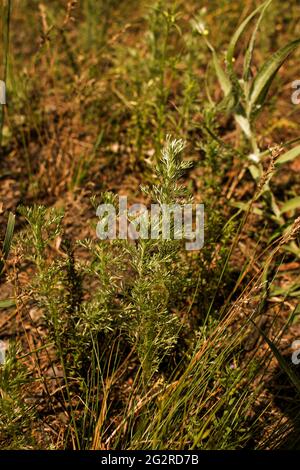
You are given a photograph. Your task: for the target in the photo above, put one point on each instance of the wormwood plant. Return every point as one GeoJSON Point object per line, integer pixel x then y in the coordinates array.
{"type": "Point", "coordinates": [150, 285]}
{"type": "Point", "coordinates": [15, 414]}
{"type": "Point", "coordinates": [155, 263]}
{"type": "Point", "coordinates": [126, 290]}
{"type": "Point", "coordinates": [136, 299]}
{"type": "Point", "coordinates": [56, 287]}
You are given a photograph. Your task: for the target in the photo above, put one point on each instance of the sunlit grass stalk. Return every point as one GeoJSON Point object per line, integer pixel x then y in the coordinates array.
{"type": "Point", "coordinates": [6, 13]}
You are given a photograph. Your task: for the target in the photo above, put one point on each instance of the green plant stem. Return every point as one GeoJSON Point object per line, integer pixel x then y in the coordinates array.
{"type": "Point", "coordinates": [6, 14]}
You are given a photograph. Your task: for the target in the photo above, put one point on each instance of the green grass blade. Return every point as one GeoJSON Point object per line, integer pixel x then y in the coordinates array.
{"type": "Point", "coordinates": [238, 33]}
{"type": "Point", "coordinates": [237, 90]}
{"type": "Point", "coordinates": [289, 156]}
{"type": "Point", "coordinates": [6, 14]}
{"type": "Point", "coordinates": [221, 75]}
{"type": "Point", "coordinates": [291, 205]}
{"type": "Point", "coordinates": [265, 76]}
{"type": "Point", "coordinates": [7, 240]}
{"type": "Point", "coordinates": [284, 365]}
{"type": "Point", "coordinates": [244, 124]}
{"type": "Point", "coordinates": [8, 235]}
{"type": "Point", "coordinates": [7, 303]}
{"type": "Point", "coordinates": [250, 48]}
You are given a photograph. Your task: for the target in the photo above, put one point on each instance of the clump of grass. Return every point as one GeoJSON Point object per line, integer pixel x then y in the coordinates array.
{"type": "Point", "coordinates": [15, 414]}
{"type": "Point", "coordinates": [208, 401]}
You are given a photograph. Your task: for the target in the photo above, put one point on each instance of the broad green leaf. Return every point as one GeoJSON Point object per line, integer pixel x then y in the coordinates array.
{"type": "Point", "coordinates": [244, 124]}
{"type": "Point", "coordinates": [236, 89]}
{"type": "Point", "coordinates": [222, 77]}
{"type": "Point", "coordinates": [290, 205]}
{"type": "Point", "coordinates": [289, 156]}
{"type": "Point", "coordinates": [239, 32]}
{"type": "Point", "coordinates": [250, 48]}
{"type": "Point", "coordinates": [255, 172]}
{"type": "Point", "coordinates": [265, 76]}
{"type": "Point", "coordinates": [281, 360]}
{"type": "Point", "coordinates": [283, 145]}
